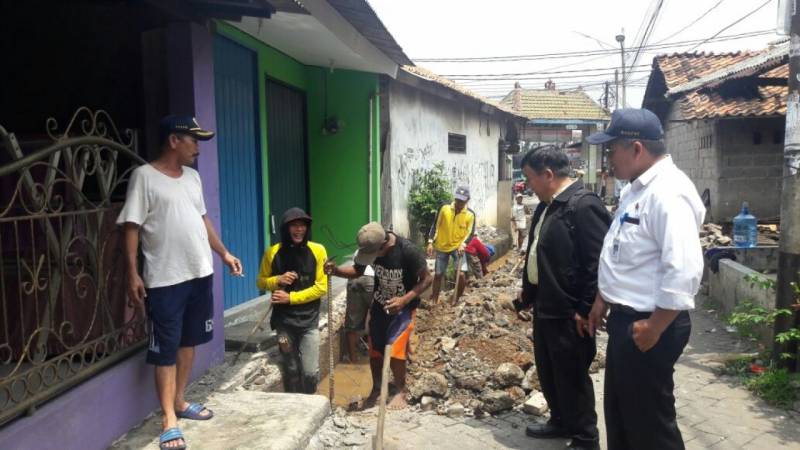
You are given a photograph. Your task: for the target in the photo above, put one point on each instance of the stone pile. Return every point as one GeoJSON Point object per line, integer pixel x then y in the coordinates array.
{"type": "Point", "coordinates": [488, 233]}
{"type": "Point", "coordinates": [476, 358]}
{"type": "Point", "coordinates": [711, 236]}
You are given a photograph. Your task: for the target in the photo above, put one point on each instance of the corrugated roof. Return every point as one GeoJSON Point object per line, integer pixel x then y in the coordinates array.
{"type": "Point", "coordinates": [552, 104]}
{"type": "Point", "coordinates": [364, 19]}
{"type": "Point", "coordinates": [453, 86]}
{"type": "Point", "coordinates": [722, 85]}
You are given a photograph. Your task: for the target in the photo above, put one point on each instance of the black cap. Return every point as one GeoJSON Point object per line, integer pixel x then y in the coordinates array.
{"type": "Point", "coordinates": [630, 123]}
{"type": "Point", "coordinates": [183, 125]}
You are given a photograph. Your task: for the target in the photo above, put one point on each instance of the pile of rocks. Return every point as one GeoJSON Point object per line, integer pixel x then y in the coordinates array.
{"type": "Point", "coordinates": [476, 358]}
{"type": "Point", "coordinates": [711, 236]}
{"type": "Point", "coordinates": [488, 233]}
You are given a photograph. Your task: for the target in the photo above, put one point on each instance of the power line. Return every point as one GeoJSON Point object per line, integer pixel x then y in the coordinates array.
{"type": "Point", "coordinates": [691, 23]}
{"type": "Point", "coordinates": [573, 54]}
{"type": "Point", "coordinates": [732, 24]}
{"type": "Point", "coordinates": [579, 76]}
{"type": "Point", "coordinates": [651, 25]}
{"type": "Point", "coordinates": [462, 75]}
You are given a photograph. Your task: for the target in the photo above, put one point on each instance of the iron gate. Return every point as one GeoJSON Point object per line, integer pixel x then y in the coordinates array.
{"type": "Point", "coordinates": [64, 314]}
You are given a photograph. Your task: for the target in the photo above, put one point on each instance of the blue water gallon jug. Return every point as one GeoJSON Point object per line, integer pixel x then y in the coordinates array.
{"type": "Point", "coordinates": [745, 231]}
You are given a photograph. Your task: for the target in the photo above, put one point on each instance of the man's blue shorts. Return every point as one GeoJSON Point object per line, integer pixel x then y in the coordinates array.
{"type": "Point", "coordinates": [181, 315]}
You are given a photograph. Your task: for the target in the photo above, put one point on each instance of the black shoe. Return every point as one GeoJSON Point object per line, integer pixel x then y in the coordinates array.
{"type": "Point", "coordinates": [583, 445]}
{"type": "Point", "coordinates": [544, 430]}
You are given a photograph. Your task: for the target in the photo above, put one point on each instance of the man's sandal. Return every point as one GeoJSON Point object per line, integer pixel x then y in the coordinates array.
{"type": "Point", "coordinates": [193, 411]}
{"type": "Point", "coordinates": [172, 434]}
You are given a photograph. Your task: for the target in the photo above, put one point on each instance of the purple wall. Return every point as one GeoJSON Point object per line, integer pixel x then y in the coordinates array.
{"type": "Point", "coordinates": [93, 414]}
{"type": "Point", "coordinates": [203, 94]}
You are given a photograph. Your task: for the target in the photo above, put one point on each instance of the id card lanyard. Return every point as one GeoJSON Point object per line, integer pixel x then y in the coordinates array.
{"type": "Point", "coordinates": [625, 217]}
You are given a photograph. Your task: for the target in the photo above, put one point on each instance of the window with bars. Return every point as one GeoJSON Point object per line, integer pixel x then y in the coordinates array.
{"type": "Point", "coordinates": [456, 143]}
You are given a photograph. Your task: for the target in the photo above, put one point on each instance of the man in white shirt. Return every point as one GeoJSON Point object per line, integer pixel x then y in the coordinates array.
{"type": "Point", "coordinates": [649, 273]}
{"type": "Point", "coordinates": [164, 208]}
{"type": "Point", "coordinates": [519, 220]}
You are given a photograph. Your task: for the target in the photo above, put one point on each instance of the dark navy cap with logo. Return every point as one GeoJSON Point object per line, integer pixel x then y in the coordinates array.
{"type": "Point", "coordinates": [630, 123]}
{"type": "Point", "coordinates": [462, 193]}
{"type": "Point", "coordinates": [180, 124]}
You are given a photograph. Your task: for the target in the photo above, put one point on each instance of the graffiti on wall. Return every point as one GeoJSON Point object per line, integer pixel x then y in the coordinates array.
{"type": "Point", "coordinates": [479, 175]}
{"type": "Point", "coordinates": [411, 160]}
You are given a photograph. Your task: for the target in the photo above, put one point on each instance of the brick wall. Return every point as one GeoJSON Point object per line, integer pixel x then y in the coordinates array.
{"type": "Point", "coordinates": [750, 166]}
{"type": "Point", "coordinates": [736, 159]}
{"type": "Point", "coordinates": [692, 145]}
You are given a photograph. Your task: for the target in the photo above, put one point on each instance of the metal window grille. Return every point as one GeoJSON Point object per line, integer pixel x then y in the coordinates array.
{"type": "Point", "coordinates": [456, 143]}
{"type": "Point", "coordinates": [64, 313]}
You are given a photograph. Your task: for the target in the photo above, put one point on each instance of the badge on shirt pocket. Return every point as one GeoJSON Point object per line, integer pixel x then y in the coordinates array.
{"type": "Point", "coordinates": [615, 248]}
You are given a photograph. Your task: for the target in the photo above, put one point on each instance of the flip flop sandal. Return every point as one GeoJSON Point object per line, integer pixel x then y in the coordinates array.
{"type": "Point", "coordinates": [172, 434]}
{"type": "Point", "coordinates": [193, 411]}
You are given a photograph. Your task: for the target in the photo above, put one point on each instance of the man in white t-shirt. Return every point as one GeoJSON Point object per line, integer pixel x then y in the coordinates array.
{"type": "Point", "coordinates": [519, 220]}
{"type": "Point", "coordinates": [164, 208]}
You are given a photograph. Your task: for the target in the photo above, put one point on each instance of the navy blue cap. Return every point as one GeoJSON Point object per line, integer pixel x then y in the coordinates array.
{"type": "Point", "coordinates": [183, 125]}
{"type": "Point", "coordinates": [630, 123]}
{"type": "Point", "coordinates": [462, 193]}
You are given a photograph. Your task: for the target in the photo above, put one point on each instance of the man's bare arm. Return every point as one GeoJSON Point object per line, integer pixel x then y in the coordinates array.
{"type": "Point", "coordinates": [135, 284]}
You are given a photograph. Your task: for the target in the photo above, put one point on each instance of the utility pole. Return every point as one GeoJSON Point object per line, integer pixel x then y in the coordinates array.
{"type": "Point", "coordinates": [789, 250]}
{"type": "Point", "coordinates": [621, 39]}
{"type": "Point", "coordinates": [616, 88]}
{"type": "Point", "coordinates": [605, 97]}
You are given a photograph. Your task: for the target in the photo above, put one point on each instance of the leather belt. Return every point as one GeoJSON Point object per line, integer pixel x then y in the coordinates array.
{"type": "Point", "coordinates": [623, 309]}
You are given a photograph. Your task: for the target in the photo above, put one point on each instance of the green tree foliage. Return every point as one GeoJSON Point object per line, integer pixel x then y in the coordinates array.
{"type": "Point", "coordinates": [429, 191]}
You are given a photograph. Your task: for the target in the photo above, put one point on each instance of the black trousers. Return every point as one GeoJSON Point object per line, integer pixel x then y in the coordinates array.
{"type": "Point", "coordinates": [639, 402]}
{"type": "Point", "coordinates": [562, 363]}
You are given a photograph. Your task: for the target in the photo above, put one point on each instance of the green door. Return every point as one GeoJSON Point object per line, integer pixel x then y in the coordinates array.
{"type": "Point", "coordinates": [286, 147]}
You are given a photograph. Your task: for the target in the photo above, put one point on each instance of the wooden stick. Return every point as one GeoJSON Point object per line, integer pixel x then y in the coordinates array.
{"type": "Point", "coordinates": [253, 332]}
{"type": "Point", "coordinates": [457, 272]}
{"type": "Point", "coordinates": [330, 343]}
{"type": "Point", "coordinates": [377, 443]}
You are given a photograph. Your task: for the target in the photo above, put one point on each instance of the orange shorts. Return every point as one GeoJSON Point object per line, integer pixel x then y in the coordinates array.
{"type": "Point", "coordinates": [394, 330]}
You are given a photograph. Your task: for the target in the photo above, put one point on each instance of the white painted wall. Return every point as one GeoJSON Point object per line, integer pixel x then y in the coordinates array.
{"type": "Point", "coordinates": [420, 123]}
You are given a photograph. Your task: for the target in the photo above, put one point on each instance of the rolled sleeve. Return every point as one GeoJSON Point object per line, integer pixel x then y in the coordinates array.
{"type": "Point", "coordinates": [676, 231]}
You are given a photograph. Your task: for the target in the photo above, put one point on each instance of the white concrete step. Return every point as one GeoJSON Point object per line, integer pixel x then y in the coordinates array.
{"type": "Point", "coordinates": [243, 420]}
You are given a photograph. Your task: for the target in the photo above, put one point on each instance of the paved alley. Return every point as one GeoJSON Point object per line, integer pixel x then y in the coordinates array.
{"type": "Point", "coordinates": [713, 411]}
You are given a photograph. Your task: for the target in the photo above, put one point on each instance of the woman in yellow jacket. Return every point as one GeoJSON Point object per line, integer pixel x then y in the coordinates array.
{"type": "Point", "coordinates": [293, 270]}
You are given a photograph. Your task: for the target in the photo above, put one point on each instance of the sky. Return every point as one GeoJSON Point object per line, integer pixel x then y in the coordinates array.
{"type": "Point", "coordinates": [437, 29]}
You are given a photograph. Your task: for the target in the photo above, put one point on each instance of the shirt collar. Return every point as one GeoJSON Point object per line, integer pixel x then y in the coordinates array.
{"type": "Point", "coordinates": [565, 188]}
{"type": "Point", "coordinates": [463, 210]}
{"type": "Point", "coordinates": [650, 174]}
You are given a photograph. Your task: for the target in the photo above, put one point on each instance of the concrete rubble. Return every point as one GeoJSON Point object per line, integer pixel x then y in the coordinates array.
{"type": "Point", "coordinates": [477, 355]}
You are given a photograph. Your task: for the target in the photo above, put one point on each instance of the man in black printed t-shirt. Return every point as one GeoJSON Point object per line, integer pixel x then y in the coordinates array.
{"type": "Point", "coordinates": [401, 275]}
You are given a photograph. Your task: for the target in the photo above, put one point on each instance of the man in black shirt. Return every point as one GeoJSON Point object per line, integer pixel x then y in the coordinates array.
{"type": "Point", "coordinates": [401, 275]}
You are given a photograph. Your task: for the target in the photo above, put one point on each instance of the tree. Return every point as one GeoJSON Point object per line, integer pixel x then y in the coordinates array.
{"type": "Point", "coordinates": [429, 191]}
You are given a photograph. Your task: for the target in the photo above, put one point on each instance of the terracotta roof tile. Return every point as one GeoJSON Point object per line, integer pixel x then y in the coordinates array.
{"type": "Point", "coordinates": [452, 85]}
{"type": "Point", "coordinates": [555, 104]}
{"type": "Point", "coordinates": [736, 97]}
{"type": "Point", "coordinates": [680, 68]}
